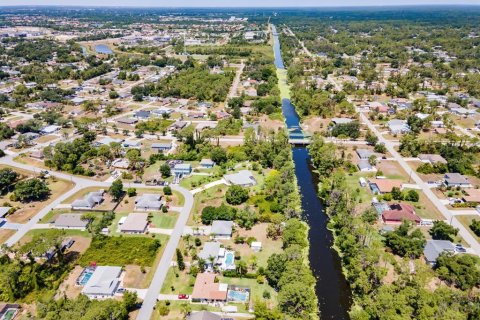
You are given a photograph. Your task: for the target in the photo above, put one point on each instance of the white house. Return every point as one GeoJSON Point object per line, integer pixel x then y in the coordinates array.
{"type": "Point", "coordinates": [103, 283]}
{"type": "Point", "coordinates": [221, 229]}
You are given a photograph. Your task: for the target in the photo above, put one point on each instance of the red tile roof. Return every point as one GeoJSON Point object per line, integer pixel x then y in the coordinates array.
{"type": "Point", "coordinates": [399, 212]}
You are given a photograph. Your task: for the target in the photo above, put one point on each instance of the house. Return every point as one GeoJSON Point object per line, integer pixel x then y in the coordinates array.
{"type": "Point", "coordinates": [207, 163]}
{"type": "Point", "coordinates": [434, 248]}
{"type": "Point", "coordinates": [206, 124]}
{"type": "Point", "coordinates": [107, 141]}
{"type": "Point", "coordinates": [142, 114]}
{"type": "Point", "coordinates": [148, 202]}
{"type": "Point", "coordinates": [399, 212]}
{"type": "Point", "coordinates": [337, 121]}
{"type": "Point", "coordinates": [382, 186]}
{"type": "Point", "coordinates": [127, 120]}
{"type": "Point", "coordinates": [206, 290]}
{"type": "Point", "coordinates": [4, 211]}
{"type": "Point", "coordinates": [182, 169]}
{"type": "Point", "coordinates": [221, 229]}
{"type": "Point", "coordinates": [121, 163]}
{"type": "Point", "coordinates": [77, 101]}
{"type": "Point", "coordinates": [103, 283]}
{"type": "Point", "coordinates": [251, 92]}
{"type": "Point", "coordinates": [204, 315]}
{"type": "Point", "coordinates": [89, 201]}
{"type": "Point", "coordinates": [8, 311]}
{"type": "Point", "coordinates": [472, 195]}
{"type": "Point", "coordinates": [397, 126]}
{"type": "Point", "coordinates": [211, 254]}
{"type": "Point", "coordinates": [256, 246]}
{"type": "Point", "coordinates": [71, 221]}
{"type": "Point", "coordinates": [135, 223]}
{"type": "Point", "coordinates": [365, 166]}
{"type": "Point", "coordinates": [37, 154]}
{"type": "Point", "coordinates": [179, 125]}
{"type": "Point", "coordinates": [50, 129]}
{"type": "Point", "coordinates": [135, 144]}
{"type": "Point", "coordinates": [432, 158]}
{"type": "Point", "coordinates": [242, 178]}
{"type": "Point", "coordinates": [365, 154]}
{"type": "Point", "coordinates": [456, 180]}
{"type": "Point", "coordinates": [159, 147]}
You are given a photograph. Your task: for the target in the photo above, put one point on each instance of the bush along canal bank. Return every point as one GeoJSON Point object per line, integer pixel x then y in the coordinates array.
{"type": "Point", "coordinates": [332, 291]}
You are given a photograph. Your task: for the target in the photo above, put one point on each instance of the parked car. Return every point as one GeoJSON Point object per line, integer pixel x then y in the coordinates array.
{"type": "Point", "coordinates": [182, 296]}
{"type": "Point", "coordinates": [460, 248]}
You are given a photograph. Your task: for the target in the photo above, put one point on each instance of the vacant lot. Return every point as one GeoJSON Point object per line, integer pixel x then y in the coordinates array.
{"type": "Point", "coordinates": [5, 234]}
{"type": "Point", "coordinates": [466, 220]}
{"type": "Point", "coordinates": [121, 251]}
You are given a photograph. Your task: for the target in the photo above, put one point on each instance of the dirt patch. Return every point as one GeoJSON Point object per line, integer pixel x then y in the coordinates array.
{"type": "Point", "coordinates": [80, 245]}
{"type": "Point", "coordinates": [315, 124]}
{"type": "Point", "coordinates": [5, 235]}
{"type": "Point", "coordinates": [134, 277]}
{"type": "Point", "coordinates": [69, 286]}
{"type": "Point", "coordinates": [269, 124]}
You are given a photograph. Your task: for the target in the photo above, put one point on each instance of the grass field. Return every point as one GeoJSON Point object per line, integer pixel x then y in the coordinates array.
{"type": "Point", "coordinates": [181, 284]}
{"type": "Point", "coordinates": [120, 251]}
{"type": "Point", "coordinates": [164, 220]}
{"type": "Point", "coordinates": [466, 220]}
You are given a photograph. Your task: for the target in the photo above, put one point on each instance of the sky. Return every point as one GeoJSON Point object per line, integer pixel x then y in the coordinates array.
{"type": "Point", "coordinates": [235, 3]}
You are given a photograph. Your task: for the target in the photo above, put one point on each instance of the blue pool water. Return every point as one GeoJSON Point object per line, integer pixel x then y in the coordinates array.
{"type": "Point", "coordinates": [103, 48]}
{"type": "Point", "coordinates": [86, 277]}
{"type": "Point", "coordinates": [240, 296]}
{"type": "Point", "coordinates": [229, 257]}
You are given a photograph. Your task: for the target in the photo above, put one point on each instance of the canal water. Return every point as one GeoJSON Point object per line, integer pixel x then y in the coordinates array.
{"type": "Point", "coordinates": [333, 292]}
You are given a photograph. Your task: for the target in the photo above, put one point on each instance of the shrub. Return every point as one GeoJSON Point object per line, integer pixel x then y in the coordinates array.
{"type": "Point", "coordinates": [236, 195]}
{"type": "Point", "coordinates": [167, 191]}
{"type": "Point", "coordinates": [131, 192]}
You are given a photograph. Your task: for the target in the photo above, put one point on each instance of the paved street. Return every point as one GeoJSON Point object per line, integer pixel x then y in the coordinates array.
{"type": "Point", "coordinates": [161, 272]}
{"type": "Point", "coordinates": [449, 217]}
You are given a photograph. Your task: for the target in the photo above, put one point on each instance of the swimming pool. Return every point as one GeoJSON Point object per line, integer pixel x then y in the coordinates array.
{"type": "Point", "coordinates": [229, 258]}
{"type": "Point", "coordinates": [238, 296]}
{"type": "Point", "coordinates": [85, 276]}
{"type": "Point", "coordinates": [10, 314]}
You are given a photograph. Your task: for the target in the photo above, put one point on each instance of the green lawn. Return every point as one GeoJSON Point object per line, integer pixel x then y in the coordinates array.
{"type": "Point", "coordinates": [120, 251]}
{"type": "Point", "coordinates": [466, 220]}
{"type": "Point", "coordinates": [195, 181]}
{"type": "Point", "coordinates": [181, 284]}
{"type": "Point", "coordinates": [164, 220]}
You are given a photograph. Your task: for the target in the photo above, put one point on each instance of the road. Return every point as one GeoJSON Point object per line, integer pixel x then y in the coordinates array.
{"type": "Point", "coordinates": [464, 233]}
{"type": "Point", "coordinates": [233, 89]}
{"type": "Point", "coordinates": [167, 257]}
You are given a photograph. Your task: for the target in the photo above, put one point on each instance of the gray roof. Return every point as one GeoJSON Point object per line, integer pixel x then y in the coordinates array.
{"type": "Point", "coordinates": [341, 120]}
{"type": "Point", "coordinates": [71, 220]}
{"type": "Point", "coordinates": [455, 178]}
{"type": "Point", "coordinates": [182, 166]}
{"type": "Point", "coordinates": [4, 211]}
{"type": "Point", "coordinates": [142, 114]}
{"type": "Point", "coordinates": [135, 222]}
{"type": "Point", "coordinates": [435, 247]}
{"type": "Point", "coordinates": [432, 158]}
{"type": "Point", "coordinates": [241, 178]}
{"type": "Point", "coordinates": [90, 200]}
{"type": "Point", "coordinates": [127, 120]}
{"type": "Point", "coordinates": [204, 315]}
{"type": "Point", "coordinates": [364, 153]}
{"type": "Point", "coordinates": [364, 164]}
{"type": "Point", "coordinates": [148, 201]}
{"type": "Point", "coordinates": [210, 249]}
{"type": "Point", "coordinates": [220, 227]}
{"type": "Point", "coordinates": [207, 162]}
{"type": "Point", "coordinates": [104, 281]}
{"type": "Point", "coordinates": [162, 145]}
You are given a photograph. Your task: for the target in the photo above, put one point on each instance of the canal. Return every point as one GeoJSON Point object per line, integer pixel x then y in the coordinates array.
{"type": "Point", "coordinates": [333, 292]}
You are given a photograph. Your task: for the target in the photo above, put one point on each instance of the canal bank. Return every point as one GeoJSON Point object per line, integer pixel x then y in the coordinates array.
{"type": "Point", "coordinates": [332, 290]}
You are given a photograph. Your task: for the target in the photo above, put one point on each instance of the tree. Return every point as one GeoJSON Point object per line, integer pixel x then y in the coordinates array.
{"type": "Point", "coordinates": [297, 300]}
{"type": "Point", "coordinates": [442, 231]}
{"type": "Point", "coordinates": [218, 155]}
{"type": "Point", "coordinates": [412, 195]}
{"type": "Point", "coordinates": [180, 262]}
{"type": "Point", "coordinates": [31, 190]}
{"type": "Point", "coordinates": [275, 268]}
{"type": "Point", "coordinates": [372, 160]}
{"type": "Point", "coordinates": [396, 193]}
{"type": "Point", "coordinates": [371, 138]}
{"type": "Point", "coordinates": [236, 195]}
{"type": "Point", "coordinates": [475, 226]}
{"type": "Point", "coordinates": [167, 190]}
{"type": "Point", "coordinates": [131, 192]}
{"type": "Point", "coordinates": [116, 189]}
{"type": "Point", "coordinates": [165, 171]}
{"type": "Point", "coordinates": [405, 243]}
{"type": "Point", "coordinates": [7, 179]}
{"type": "Point", "coordinates": [380, 148]}
{"type": "Point", "coordinates": [462, 270]}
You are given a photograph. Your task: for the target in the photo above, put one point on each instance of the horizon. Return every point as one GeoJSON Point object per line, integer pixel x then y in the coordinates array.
{"type": "Point", "coordinates": [184, 4]}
